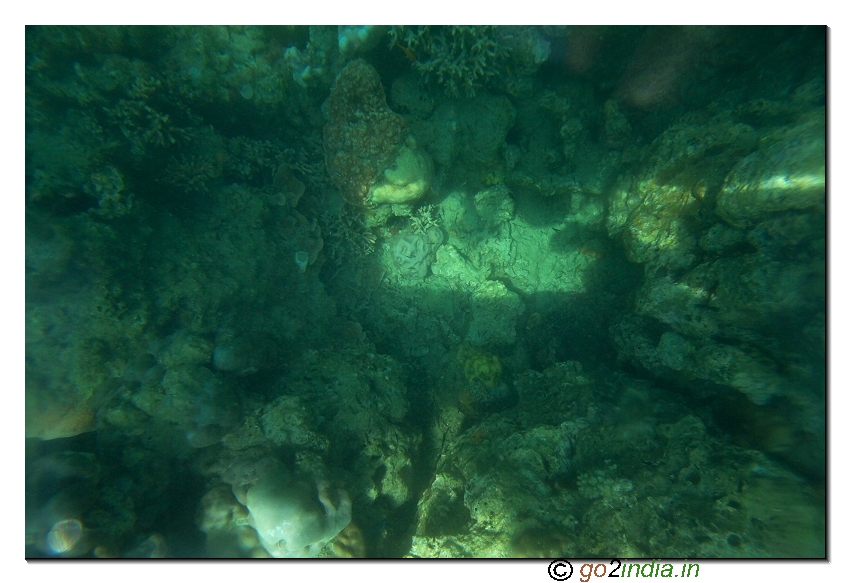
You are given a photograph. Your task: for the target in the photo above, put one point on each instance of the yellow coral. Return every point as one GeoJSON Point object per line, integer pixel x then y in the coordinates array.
{"type": "Point", "coordinates": [406, 180]}
{"type": "Point", "coordinates": [480, 365]}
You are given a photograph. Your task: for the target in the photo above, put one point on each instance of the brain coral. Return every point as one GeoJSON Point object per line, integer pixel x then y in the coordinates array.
{"type": "Point", "coordinates": [363, 136]}
{"type": "Point", "coordinates": [413, 253]}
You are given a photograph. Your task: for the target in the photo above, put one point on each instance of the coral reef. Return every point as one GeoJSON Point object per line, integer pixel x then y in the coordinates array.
{"type": "Point", "coordinates": [463, 59]}
{"type": "Point", "coordinates": [361, 38]}
{"type": "Point", "coordinates": [142, 125]}
{"type": "Point", "coordinates": [472, 132]}
{"type": "Point", "coordinates": [494, 315]}
{"type": "Point", "coordinates": [657, 213]}
{"type": "Point", "coordinates": [424, 218]}
{"type": "Point", "coordinates": [312, 65]}
{"type": "Point", "coordinates": [192, 174]}
{"type": "Point", "coordinates": [522, 310]}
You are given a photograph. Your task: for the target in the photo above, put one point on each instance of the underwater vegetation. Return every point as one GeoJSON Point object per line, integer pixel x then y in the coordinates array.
{"type": "Point", "coordinates": [425, 291]}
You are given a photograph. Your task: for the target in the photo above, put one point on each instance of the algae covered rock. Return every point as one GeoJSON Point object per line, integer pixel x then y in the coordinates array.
{"type": "Point", "coordinates": [287, 422]}
{"type": "Point", "coordinates": [787, 172]}
{"type": "Point", "coordinates": [513, 486]}
{"type": "Point", "coordinates": [182, 347]}
{"type": "Point", "coordinates": [657, 211]}
{"type": "Point", "coordinates": [494, 315]}
{"type": "Point", "coordinates": [201, 404]}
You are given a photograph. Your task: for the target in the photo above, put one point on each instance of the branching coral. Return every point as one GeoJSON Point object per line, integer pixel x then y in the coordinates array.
{"type": "Point", "coordinates": [140, 123]}
{"type": "Point", "coordinates": [192, 173]}
{"type": "Point", "coordinates": [251, 160]}
{"type": "Point", "coordinates": [307, 161]}
{"type": "Point", "coordinates": [459, 58]}
{"type": "Point", "coordinates": [107, 186]}
{"type": "Point", "coordinates": [423, 218]}
{"type": "Point", "coordinates": [347, 236]}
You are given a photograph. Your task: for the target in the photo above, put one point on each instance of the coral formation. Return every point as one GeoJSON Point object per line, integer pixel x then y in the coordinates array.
{"type": "Point", "coordinates": [497, 496]}
{"type": "Point", "coordinates": [464, 59]}
{"type": "Point", "coordinates": [730, 286]}
{"type": "Point", "coordinates": [235, 354]}
{"type": "Point", "coordinates": [406, 180]}
{"type": "Point", "coordinates": [292, 518]}
{"type": "Point", "coordinates": [200, 404]}
{"type": "Point", "coordinates": [413, 253]}
{"type": "Point", "coordinates": [312, 64]}
{"type": "Point", "coordinates": [479, 365]}
{"type": "Point", "coordinates": [599, 484]}
{"type": "Point", "coordinates": [363, 136]}
{"type": "Point", "coordinates": [352, 39]}
{"type": "Point", "coordinates": [657, 213]}
{"type": "Point", "coordinates": [424, 218]}
{"type": "Point", "coordinates": [459, 58]}
{"type": "Point", "coordinates": [347, 235]}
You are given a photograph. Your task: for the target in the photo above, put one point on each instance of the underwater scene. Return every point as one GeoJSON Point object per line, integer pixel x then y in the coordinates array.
{"type": "Point", "coordinates": [425, 291]}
